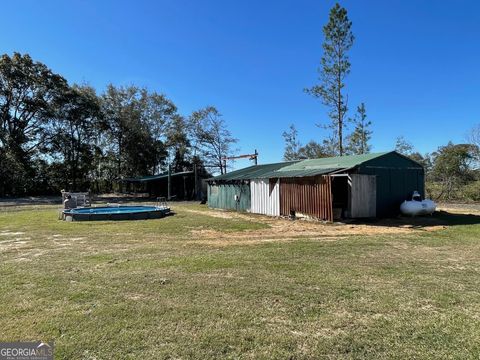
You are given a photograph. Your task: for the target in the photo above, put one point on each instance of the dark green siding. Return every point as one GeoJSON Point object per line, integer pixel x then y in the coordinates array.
{"type": "Point", "coordinates": [222, 196]}
{"type": "Point", "coordinates": [397, 178]}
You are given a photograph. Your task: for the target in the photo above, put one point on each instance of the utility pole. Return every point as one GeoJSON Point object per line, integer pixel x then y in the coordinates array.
{"type": "Point", "coordinates": [253, 157]}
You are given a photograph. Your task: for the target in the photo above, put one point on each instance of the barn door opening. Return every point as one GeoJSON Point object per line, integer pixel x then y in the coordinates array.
{"type": "Point", "coordinates": [340, 196]}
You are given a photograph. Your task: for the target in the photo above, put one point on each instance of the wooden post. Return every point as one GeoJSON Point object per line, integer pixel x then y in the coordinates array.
{"type": "Point", "coordinates": [169, 187]}
{"type": "Point", "coordinates": [185, 192]}
{"type": "Point", "coordinates": [196, 181]}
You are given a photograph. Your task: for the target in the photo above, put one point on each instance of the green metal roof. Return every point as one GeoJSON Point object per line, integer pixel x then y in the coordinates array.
{"type": "Point", "coordinates": [156, 177]}
{"type": "Point", "coordinates": [337, 162]}
{"type": "Point", "coordinates": [297, 173]}
{"type": "Point", "coordinates": [252, 172]}
{"type": "Point", "coordinates": [301, 168]}
{"type": "Point", "coordinates": [313, 167]}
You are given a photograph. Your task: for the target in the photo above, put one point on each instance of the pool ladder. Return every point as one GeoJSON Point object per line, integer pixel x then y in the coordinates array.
{"type": "Point", "coordinates": [161, 202]}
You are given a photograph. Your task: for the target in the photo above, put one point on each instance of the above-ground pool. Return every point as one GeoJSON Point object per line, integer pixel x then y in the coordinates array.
{"type": "Point", "coordinates": [122, 212]}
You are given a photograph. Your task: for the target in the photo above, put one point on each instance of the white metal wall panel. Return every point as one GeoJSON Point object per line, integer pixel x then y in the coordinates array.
{"type": "Point", "coordinates": [262, 200]}
{"type": "Point", "coordinates": [363, 195]}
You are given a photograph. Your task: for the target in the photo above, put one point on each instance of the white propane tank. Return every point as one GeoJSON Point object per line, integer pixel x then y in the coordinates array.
{"type": "Point", "coordinates": [417, 206]}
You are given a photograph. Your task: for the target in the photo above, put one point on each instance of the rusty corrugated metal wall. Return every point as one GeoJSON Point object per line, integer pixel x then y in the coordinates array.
{"type": "Point", "coordinates": [309, 196]}
{"type": "Point", "coordinates": [265, 196]}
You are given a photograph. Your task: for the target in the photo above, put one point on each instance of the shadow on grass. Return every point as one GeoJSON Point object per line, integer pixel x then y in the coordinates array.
{"type": "Point", "coordinates": [437, 219]}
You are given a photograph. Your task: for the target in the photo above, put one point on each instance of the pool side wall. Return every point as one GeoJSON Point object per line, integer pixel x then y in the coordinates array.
{"type": "Point", "coordinates": [144, 215]}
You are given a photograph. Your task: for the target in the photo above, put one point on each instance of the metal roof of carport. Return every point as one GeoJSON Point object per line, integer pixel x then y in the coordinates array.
{"type": "Point", "coordinates": [156, 177]}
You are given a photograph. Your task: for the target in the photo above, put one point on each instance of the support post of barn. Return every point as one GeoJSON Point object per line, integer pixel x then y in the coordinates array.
{"type": "Point", "coordinates": [169, 186]}
{"type": "Point", "coordinates": [196, 181]}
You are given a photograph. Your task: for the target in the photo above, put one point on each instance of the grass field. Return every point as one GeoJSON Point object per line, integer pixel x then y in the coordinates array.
{"type": "Point", "coordinates": [204, 284]}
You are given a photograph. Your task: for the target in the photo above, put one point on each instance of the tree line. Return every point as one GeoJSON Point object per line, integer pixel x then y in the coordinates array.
{"type": "Point", "coordinates": [54, 135]}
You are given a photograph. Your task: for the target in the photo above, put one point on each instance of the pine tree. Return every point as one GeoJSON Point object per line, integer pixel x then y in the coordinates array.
{"type": "Point", "coordinates": [358, 140]}
{"type": "Point", "coordinates": [292, 145]}
{"type": "Point", "coordinates": [334, 67]}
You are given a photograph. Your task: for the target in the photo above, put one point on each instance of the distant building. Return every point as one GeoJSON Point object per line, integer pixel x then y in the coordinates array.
{"type": "Point", "coordinates": [184, 185]}
{"type": "Point", "coordinates": [357, 186]}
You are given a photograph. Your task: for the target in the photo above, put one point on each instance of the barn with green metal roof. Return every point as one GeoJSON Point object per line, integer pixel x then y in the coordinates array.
{"type": "Point", "coordinates": [357, 186]}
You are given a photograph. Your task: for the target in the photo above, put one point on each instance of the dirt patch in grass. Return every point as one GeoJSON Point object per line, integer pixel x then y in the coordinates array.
{"type": "Point", "coordinates": [14, 244]}
{"type": "Point", "coordinates": [221, 242]}
{"type": "Point", "coordinates": [287, 230]}
{"type": "Point", "coordinates": [10, 233]}
{"type": "Point", "coordinates": [473, 209]}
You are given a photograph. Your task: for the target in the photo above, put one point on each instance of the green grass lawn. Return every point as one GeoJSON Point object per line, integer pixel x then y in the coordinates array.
{"type": "Point", "coordinates": [155, 289]}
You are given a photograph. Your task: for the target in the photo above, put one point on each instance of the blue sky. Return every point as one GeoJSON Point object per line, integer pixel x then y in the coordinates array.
{"type": "Point", "coordinates": [415, 64]}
